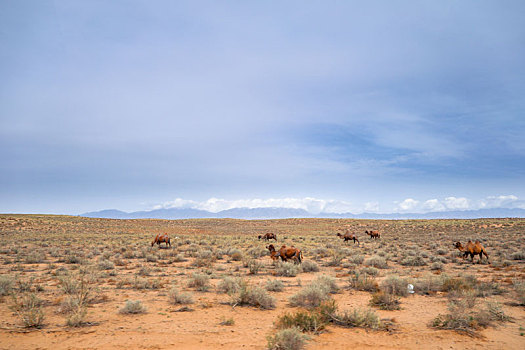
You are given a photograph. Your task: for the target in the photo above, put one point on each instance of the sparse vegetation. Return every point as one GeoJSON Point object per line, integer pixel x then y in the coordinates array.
{"type": "Point", "coordinates": [73, 266]}
{"type": "Point", "coordinates": [133, 307]}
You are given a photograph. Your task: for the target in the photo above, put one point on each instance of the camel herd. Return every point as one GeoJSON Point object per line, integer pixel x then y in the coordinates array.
{"type": "Point", "coordinates": [295, 254]}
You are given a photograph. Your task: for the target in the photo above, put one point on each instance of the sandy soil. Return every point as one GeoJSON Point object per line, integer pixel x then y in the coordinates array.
{"type": "Point", "coordinates": [163, 326]}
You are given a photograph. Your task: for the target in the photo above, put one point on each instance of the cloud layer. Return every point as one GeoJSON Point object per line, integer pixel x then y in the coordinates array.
{"type": "Point", "coordinates": [317, 206]}
{"type": "Point", "coordinates": [104, 105]}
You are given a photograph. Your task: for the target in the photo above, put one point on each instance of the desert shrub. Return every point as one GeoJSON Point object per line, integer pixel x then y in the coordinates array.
{"type": "Point", "coordinates": [73, 259]}
{"type": "Point", "coordinates": [129, 254]}
{"type": "Point", "coordinates": [306, 321]}
{"type": "Point", "coordinates": [436, 266]}
{"type": "Point", "coordinates": [463, 318]}
{"type": "Point", "coordinates": [310, 266]}
{"type": "Point", "coordinates": [335, 259]}
{"type": "Point", "coordinates": [77, 317]}
{"type": "Point", "coordinates": [177, 297]}
{"type": "Point", "coordinates": [257, 252]}
{"type": "Point", "coordinates": [144, 270]}
{"type": "Point", "coordinates": [321, 252]}
{"type": "Point", "coordinates": [442, 251]}
{"type": "Point", "coordinates": [327, 282]}
{"type": "Point", "coordinates": [494, 312]}
{"type": "Point", "coordinates": [364, 318]}
{"type": "Point", "coordinates": [105, 264]}
{"type": "Point", "coordinates": [377, 261]}
{"type": "Point", "coordinates": [395, 285]}
{"type": "Point", "coordinates": [145, 283]}
{"type": "Point", "coordinates": [254, 296]}
{"type": "Point", "coordinates": [417, 260]}
{"type": "Point", "coordinates": [369, 270]}
{"type": "Point", "coordinates": [485, 289]}
{"type": "Point", "coordinates": [229, 285]}
{"type": "Point", "coordinates": [6, 284]}
{"type": "Point", "coordinates": [385, 301]}
{"type": "Point", "coordinates": [428, 284]}
{"type": "Point", "coordinates": [254, 266]}
{"type": "Point", "coordinates": [356, 259]}
{"type": "Point", "coordinates": [235, 254]}
{"type": "Point", "coordinates": [35, 257]}
{"type": "Point", "coordinates": [227, 322]}
{"type": "Point", "coordinates": [287, 339]}
{"type": "Point", "coordinates": [28, 307]}
{"type": "Point", "coordinates": [310, 296]}
{"type": "Point", "coordinates": [179, 258]}
{"type": "Point", "coordinates": [517, 256]}
{"type": "Point", "coordinates": [151, 258]}
{"type": "Point", "coordinates": [200, 282]}
{"type": "Point", "coordinates": [133, 307]}
{"type": "Point", "coordinates": [363, 282]}
{"type": "Point", "coordinates": [119, 261]}
{"type": "Point", "coordinates": [519, 289]}
{"type": "Point", "coordinates": [274, 285]}
{"type": "Point", "coordinates": [287, 269]}
{"type": "Point", "coordinates": [455, 284]}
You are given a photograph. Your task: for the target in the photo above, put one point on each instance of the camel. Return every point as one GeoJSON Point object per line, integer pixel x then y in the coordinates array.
{"type": "Point", "coordinates": [472, 249]}
{"type": "Point", "coordinates": [373, 234]}
{"type": "Point", "coordinates": [268, 236]}
{"type": "Point", "coordinates": [286, 253]}
{"type": "Point", "coordinates": [161, 238]}
{"type": "Point", "coordinates": [348, 236]}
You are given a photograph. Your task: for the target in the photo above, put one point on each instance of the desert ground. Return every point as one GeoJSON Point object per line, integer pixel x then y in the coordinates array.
{"type": "Point", "coordinates": [78, 283]}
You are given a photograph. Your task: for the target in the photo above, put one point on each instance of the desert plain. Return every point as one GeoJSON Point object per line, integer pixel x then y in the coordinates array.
{"type": "Point", "coordinates": [70, 282]}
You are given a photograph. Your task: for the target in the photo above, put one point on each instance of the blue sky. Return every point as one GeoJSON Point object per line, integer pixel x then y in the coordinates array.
{"type": "Point", "coordinates": [380, 106]}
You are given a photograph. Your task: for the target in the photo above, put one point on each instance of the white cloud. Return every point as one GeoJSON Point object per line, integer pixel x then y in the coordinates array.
{"type": "Point", "coordinates": [433, 205]}
{"type": "Point", "coordinates": [408, 204]}
{"type": "Point", "coordinates": [454, 203]}
{"type": "Point", "coordinates": [214, 205]}
{"type": "Point", "coordinates": [371, 207]}
{"type": "Point", "coordinates": [507, 201]}
{"type": "Point", "coordinates": [317, 206]}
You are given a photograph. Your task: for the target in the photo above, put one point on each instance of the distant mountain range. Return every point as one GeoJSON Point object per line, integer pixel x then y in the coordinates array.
{"type": "Point", "coordinates": [284, 213]}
